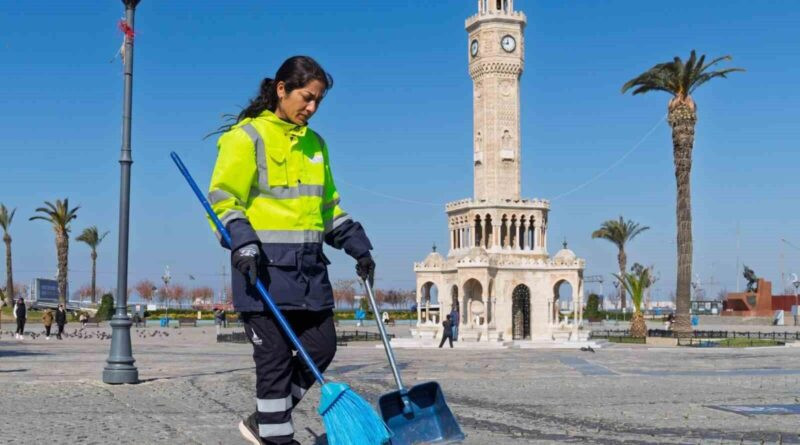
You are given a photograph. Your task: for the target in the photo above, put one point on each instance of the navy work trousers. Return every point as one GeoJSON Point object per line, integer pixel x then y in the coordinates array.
{"type": "Point", "coordinates": [282, 378]}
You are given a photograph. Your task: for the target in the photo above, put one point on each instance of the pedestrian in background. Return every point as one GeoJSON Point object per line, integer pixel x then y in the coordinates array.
{"type": "Point", "coordinates": [219, 317]}
{"type": "Point", "coordinates": [21, 315]}
{"type": "Point", "coordinates": [61, 320]}
{"type": "Point", "coordinates": [454, 319]}
{"type": "Point", "coordinates": [447, 332]}
{"type": "Point", "coordinates": [83, 319]}
{"type": "Point", "coordinates": [47, 319]}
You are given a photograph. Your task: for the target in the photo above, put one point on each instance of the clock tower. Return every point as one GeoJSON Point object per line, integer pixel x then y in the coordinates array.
{"type": "Point", "coordinates": [496, 55]}
{"type": "Point", "coordinates": [498, 273]}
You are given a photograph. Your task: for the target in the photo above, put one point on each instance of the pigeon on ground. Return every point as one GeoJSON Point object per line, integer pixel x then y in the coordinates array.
{"type": "Point", "coordinates": [587, 349]}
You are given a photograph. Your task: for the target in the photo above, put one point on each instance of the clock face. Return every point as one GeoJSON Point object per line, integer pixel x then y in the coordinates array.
{"type": "Point", "coordinates": [508, 43]}
{"type": "Point", "coordinates": [473, 48]}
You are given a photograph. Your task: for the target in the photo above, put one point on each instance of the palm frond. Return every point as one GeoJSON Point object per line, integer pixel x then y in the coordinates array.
{"type": "Point", "coordinates": [677, 77]}
{"type": "Point", "coordinates": [705, 77]}
{"type": "Point", "coordinates": [6, 217]}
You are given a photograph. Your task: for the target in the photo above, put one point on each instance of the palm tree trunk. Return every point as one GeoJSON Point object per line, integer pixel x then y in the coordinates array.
{"type": "Point", "coordinates": [682, 119]}
{"type": "Point", "coordinates": [94, 274]}
{"type": "Point", "coordinates": [622, 258]}
{"type": "Point", "coordinates": [9, 275]}
{"type": "Point", "coordinates": [62, 248]}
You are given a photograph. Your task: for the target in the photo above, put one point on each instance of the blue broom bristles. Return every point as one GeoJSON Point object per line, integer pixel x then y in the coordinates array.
{"type": "Point", "coordinates": [349, 419]}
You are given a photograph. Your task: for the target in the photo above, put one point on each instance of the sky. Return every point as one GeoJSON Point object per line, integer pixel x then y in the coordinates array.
{"type": "Point", "coordinates": [398, 122]}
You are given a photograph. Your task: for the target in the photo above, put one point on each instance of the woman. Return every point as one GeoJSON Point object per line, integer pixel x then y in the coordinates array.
{"type": "Point", "coordinates": [61, 320]}
{"type": "Point", "coordinates": [273, 189]}
{"type": "Point", "coordinates": [21, 314]}
{"type": "Point", "coordinates": [47, 320]}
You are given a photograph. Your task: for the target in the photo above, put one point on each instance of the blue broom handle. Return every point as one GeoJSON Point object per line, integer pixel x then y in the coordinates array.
{"type": "Point", "coordinates": [261, 289]}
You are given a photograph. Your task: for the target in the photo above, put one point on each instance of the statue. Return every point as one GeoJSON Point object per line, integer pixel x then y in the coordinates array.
{"type": "Point", "coordinates": [752, 279]}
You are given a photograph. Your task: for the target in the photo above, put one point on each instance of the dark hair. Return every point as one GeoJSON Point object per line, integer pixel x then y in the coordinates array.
{"type": "Point", "coordinates": [295, 72]}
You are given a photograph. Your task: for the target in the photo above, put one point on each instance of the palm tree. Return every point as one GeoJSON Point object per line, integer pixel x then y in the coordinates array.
{"type": "Point", "coordinates": [619, 232]}
{"type": "Point", "coordinates": [92, 238]}
{"type": "Point", "coordinates": [60, 216]}
{"type": "Point", "coordinates": [5, 223]}
{"type": "Point", "coordinates": [636, 283]}
{"type": "Point", "coordinates": [680, 80]}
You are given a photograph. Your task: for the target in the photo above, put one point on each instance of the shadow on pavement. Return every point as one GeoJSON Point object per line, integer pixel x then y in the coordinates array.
{"type": "Point", "coordinates": [318, 440]}
{"type": "Point", "coordinates": [12, 353]}
{"type": "Point", "coordinates": [12, 370]}
{"type": "Point", "coordinates": [198, 374]}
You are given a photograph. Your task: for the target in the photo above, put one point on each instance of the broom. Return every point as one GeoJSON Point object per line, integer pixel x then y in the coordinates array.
{"type": "Point", "coordinates": [348, 418]}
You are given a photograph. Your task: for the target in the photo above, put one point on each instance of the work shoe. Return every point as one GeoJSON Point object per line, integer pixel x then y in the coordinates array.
{"type": "Point", "coordinates": [249, 430]}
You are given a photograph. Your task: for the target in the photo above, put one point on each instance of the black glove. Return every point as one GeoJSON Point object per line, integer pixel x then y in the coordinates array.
{"type": "Point", "coordinates": [365, 268]}
{"type": "Point", "coordinates": [245, 260]}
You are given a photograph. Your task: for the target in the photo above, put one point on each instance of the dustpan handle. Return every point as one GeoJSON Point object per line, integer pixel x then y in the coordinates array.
{"type": "Point", "coordinates": [261, 289]}
{"type": "Point", "coordinates": [385, 338]}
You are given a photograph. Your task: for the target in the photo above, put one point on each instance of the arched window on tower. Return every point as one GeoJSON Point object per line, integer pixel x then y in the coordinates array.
{"type": "Point", "coordinates": [487, 231]}
{"type": "Point", "coordinates": [499, 5]}
{"type": "Point", "coordinates": [531, 234]}
{"type": "Point", "coordinates": [512, 232]}
{"type": "Point", "coordinates": [478, 231]}
{"type": "Point", "coordinates": [504, 233]}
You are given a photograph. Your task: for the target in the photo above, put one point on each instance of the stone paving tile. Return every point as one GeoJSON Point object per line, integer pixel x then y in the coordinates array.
{"type": "Point", "coordinates": [194, 391]}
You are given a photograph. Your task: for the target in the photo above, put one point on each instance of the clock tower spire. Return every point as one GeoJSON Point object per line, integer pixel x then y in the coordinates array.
{"type": "Point", "coordinates": [496, 57]}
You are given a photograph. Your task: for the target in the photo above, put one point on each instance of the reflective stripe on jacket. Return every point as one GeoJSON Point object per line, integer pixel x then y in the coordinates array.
{"type": "Point", "coordinates": [272, 184]}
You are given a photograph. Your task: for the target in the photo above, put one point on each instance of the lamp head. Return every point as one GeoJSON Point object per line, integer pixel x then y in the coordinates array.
{"type": "Point", "coordinates": [130, 3]}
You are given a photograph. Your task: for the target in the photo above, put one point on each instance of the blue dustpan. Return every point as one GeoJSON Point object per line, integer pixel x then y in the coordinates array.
{"type": "Point", "coordinates": [418, 415]}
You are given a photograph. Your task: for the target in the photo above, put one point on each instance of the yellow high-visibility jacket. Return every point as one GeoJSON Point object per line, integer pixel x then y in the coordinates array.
{"type": "Point", "coordinates": [272, 185]}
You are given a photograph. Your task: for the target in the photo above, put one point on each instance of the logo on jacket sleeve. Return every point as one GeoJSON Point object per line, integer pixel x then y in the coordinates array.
{"type": "Point", "coordinates": [316, 159]}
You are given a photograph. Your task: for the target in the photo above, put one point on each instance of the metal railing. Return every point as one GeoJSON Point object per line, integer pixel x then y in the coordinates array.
{"type": "Point", "coordinates": [784, 336]}
{"type": "Point", "coordinates": [342, 337]}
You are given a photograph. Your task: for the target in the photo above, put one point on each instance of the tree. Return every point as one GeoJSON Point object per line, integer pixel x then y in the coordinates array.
{"type": "Point", "coordinates": [636, 283]}
{"type": "Point", "coordinates": [177, 293]}
{"type": "Point", "coordinates": [203, 294]}
{"type": "Point", "coordinates": [592, 312]}
{"type": "Point", "coordinates": [6, 218]}
{"type": "Point", "coordinates": [92, 238]}
{"type": "Point", "coordinates": [619, 232]}
{"type": "Point", "coordinates": [59, 215]}
{"type": "Point", "coordinates": [5, 223]}
{"type": "Point", "coordinates": [146, 289]}
{"type": "Point", "coordinates": [106, 309]}
{"type": "Point", "coordinates": [344, 291]}
{"type": "Point", "coordinates": [83, 291]}
{"type": "Point", "coordinates": [680, 80]}
{"type": "Point", "coordinates": [20, 291]}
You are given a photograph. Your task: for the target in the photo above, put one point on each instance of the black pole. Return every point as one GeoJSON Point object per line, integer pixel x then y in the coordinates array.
{"type": "Point", "coordinates": [119, 365]}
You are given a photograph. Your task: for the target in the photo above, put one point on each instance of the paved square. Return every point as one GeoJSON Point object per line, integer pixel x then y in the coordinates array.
{"type": "Point", "coordinates": [194, 391]}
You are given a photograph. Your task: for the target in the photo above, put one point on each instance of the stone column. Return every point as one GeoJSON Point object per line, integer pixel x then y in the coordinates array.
{"type": "Point", "coordinates": [419, 310]}
{"type": "Point", "coordinates": [495, 237]}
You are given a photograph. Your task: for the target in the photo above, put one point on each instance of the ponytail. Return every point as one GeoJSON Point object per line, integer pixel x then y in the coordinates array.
{"type": "Point", "coordinates": [267, 99]}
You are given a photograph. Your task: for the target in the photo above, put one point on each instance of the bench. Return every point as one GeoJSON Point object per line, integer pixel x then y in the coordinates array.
{"type": "Point", "coordinates": [93, 321]}
{"type": "Point", "coordinates": [187, 322]}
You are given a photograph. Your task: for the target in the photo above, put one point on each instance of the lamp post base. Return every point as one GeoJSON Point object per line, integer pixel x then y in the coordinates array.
{"type": "Point", "coordinates": [119, 365]}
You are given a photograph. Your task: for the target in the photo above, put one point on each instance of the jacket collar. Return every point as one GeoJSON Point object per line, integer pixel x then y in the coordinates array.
{"type": "Point", "coordinates": [286, 127]}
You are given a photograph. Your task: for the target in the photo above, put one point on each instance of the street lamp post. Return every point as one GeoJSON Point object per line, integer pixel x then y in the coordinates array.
{"type": "Point", "coordinates": [119, 365]}
{"type": "Point", "coordinates": [796, 283]}
{"type": "Point", "coordinates": [165, 278]}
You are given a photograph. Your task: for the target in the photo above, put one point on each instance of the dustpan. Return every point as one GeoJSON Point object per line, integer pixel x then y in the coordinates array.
{"type": "Point", "coordinates": [416, 415]}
